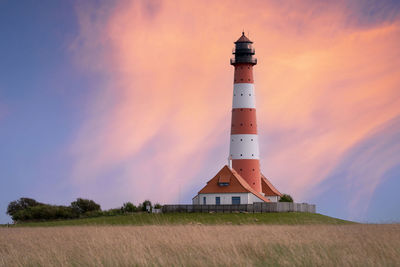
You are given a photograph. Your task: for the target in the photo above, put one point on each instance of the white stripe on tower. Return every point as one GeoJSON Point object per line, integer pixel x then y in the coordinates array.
{"type": "Point", "coordinates": [243, 96]}
{"type": "Point", "coordinates": [244, 146]}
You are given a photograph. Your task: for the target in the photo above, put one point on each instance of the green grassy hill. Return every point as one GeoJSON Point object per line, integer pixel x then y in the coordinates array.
{"type": "Point", "coordinates": [289, 218]}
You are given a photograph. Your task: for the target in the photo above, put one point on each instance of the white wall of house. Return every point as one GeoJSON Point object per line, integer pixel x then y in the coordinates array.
{"type": "Point", "coordinates": [226, 198]}
{"type": "Point", "coordinates": [272, 198]}
{"type": "Point", "coordinates": [253, 198]}
{"type": "Point", "coordinates": [195, 200]}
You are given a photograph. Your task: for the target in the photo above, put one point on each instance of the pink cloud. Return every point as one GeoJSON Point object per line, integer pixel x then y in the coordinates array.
{"type": "Point", "coordinates": [321, 84]}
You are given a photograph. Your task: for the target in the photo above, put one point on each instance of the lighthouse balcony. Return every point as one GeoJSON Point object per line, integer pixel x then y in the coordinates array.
{"type": "Point", "coordinates": [248, 59]}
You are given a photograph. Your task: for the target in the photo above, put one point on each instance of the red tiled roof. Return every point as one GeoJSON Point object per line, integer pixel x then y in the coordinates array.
{"type": "Point", "coordinates": [267, 188]}
{"type": "Point", "coordinates": [236, 184]}
{"type": "Point", "coordinates": [224, 178]}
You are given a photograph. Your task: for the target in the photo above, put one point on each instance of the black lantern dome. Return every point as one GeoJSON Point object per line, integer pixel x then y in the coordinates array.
{"type": "Point", "coordinates": [243, 51]}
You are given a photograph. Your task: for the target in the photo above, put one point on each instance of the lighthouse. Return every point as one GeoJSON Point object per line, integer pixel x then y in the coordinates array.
{"type": "Point", "coordinates": [244, 150]}
{"type": "Point", "coordinates": [241, 181]}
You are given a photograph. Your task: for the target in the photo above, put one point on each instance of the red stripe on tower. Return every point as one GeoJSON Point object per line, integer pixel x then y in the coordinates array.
{"type": "Point", "coordinates": [244, 150]}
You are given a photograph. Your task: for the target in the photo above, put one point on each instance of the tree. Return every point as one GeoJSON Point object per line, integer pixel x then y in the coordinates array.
{"type": "Point", "coordinates": [82, 206]}
{"type": "Point", "coordinates": [21, 204]}
{"type": "Point", "coordinates": [286, 198]}
{"type": "Point", "coordinates": [145, 204]}
{"type": "Point", "coordinates": [157, 206]}
{"type": "Point", "coordinates": [129, 207]}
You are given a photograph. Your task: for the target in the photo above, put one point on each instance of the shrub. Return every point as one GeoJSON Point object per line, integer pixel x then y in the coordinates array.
{"type": "Point", "coordinates": [82, 206]}
{"type": "Point", "coordinates": [113, 212]}
{"type": "Point", "coordinates": [44, 212]}
{"type": "Point", "coordinates": [145, 204]}
{"type": "Point", "coordinates": [286, 198]}
{"type": "Point", "coordinates": [157, 206]}
{"type": "Point", "coordinates": [93, 213]}
{"type": "Point", "coordinates": [21, 204]}
{"type": "Point", "coordinates": [129, 207]}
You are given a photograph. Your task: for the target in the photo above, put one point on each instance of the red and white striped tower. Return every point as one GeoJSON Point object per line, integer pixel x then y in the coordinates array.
{"type": "Point", "coordinates": [244, 151]}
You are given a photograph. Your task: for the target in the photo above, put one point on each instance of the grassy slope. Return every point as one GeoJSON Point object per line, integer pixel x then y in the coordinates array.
{"type": "Point", "coordinates": [290, 218]}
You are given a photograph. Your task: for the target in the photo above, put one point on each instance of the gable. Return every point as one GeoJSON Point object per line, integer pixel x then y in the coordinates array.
{"type": "Point", "coordinates": [267, 188]}
{"type": "Point", "coordinates": [223, 182]}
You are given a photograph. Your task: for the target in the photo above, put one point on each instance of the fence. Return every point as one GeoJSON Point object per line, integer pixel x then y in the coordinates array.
{"type": "Point", "coordinates": [256, 207]}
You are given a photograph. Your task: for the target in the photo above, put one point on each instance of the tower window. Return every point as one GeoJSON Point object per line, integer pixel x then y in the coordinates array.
{"type": "Point", "coordinates": [240, 169]}
{"type": "Point", "coordinates": [241, 124]}
{"type": "Point", "coordinates": [251, 139]}
{"type": "Point", "coordinates": [251, 124]}
{"type": "Point", "coordinates": [241, 109]}
{"type": "Point", "coordinates": [252, 155]}
{"type": "Point", "coordinates": [241, 154]}
{"type": "Point", "coordinates": [234, 94]}
{"type": "Point", "coordinates": [253, 170]}
{"type": "Point", "coordinates": [248, 79]}
{"type": "Point", "coordinates": [241, 139]}
{"type": "Point", "coordinates": [241, 79]}
{"type": "Point", "coordinates": [249, 94]}
{"type": "Point", "coordinates": [241, 94]}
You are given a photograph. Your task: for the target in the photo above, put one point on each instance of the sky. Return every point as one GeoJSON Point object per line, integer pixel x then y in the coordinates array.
{"type": "Point", "coordinates": [122, 101]}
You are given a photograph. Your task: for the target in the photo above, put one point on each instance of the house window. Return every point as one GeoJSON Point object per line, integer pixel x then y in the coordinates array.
{"type": "Point", "coordinates": [204, 201]}
{"type": "Point", "coordinates": [217, 201]}
{"type": "Point", "coordinates": [235, 200]}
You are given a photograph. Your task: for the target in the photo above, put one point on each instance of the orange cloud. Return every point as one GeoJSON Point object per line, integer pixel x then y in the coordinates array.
{"type": "Point", "coordinates": [322, 82]}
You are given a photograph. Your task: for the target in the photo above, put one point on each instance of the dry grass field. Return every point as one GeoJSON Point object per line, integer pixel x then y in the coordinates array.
{"type": "Point", "coordinates": [200, 245]}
